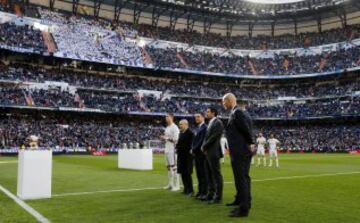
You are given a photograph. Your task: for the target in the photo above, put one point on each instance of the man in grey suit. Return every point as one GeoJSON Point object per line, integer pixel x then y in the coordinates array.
{"type": "Point", "coordinates": [212, 150]}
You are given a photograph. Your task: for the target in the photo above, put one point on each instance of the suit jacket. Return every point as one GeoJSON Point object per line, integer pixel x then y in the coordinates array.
{"type": "Point", "coordinates": [198, 140]}
{"type": "Point", "coordinates": [183, 147]}
{"type": "Point", "coordinates": [212, 139]}
{"type": "Point", "coordinates": [239, 132]}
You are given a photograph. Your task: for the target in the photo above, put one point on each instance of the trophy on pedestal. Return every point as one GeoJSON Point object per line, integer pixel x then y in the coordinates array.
{"type": "Point", "coordinates": [33, 142]}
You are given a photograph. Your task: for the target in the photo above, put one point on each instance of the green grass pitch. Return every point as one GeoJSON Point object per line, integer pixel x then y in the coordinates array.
{"type": "Point", "coordinates": [328, 191]}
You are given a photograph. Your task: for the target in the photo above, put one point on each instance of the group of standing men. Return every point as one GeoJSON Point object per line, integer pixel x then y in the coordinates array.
{"type": "Point", "coordinates": [184, 148]}
{"type": "Point", "coordinates": [272, 143]}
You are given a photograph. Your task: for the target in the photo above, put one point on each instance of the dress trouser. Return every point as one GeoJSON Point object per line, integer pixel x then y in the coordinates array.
{"type": "Point", "coordinates": [201, 174]}
{"type": "Point", "coordinates": [215, 177]}
{"type": "Point", "coordinates": [187, 181]}
{"type": "Point", "coordinates": [241, 168]}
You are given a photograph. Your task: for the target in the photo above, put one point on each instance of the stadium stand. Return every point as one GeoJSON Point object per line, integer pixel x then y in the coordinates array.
{"type": "Point", "coordinates": [53, 84]}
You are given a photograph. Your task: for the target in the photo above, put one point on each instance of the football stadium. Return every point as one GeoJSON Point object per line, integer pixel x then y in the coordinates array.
{"type": "Point", "coordinates": [169, 111]}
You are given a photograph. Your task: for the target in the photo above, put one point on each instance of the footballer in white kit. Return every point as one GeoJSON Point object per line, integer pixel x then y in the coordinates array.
{"type": "Point", "coordinates": [273, 143]}
{"type": "Point", "coordinates": [260, 153]}
{"type": "Point", "coordinates": [171, 137]}
{"type": "Point", "coordinates": [224, 146]}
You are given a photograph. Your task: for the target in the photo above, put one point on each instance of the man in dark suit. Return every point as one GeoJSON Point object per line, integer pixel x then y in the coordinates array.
{"type": "Point", "coordinates": [239, 134]}
{"type": "Point", "coordinates": [184, 158]}
{"type": "Point", "coordinates": [199, 156]}
{"type": "Point", "coordinates": [212, 150]}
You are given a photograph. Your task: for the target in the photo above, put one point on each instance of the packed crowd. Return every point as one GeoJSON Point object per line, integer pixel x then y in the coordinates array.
{"type": "Point", "coordinates": [11, 96]}
{"type": "Point", "coordinates": [85, 39]}
{"type": "Point", "coordinates": [200, 88]}
{"type": "Point", "coordinates": [79, 133]}
{"type": "Point", "coordinates": [285, 41]}
{"type": "Point", "coordinates": [4, 7]}
{"type": "Point", "coordinates": [113, 133]}
{"type": "Point", "coordinates": [22, 37]}
{"type": "Point", "coordinates": [328, 138]}
{"type": "Point", "coordinates": [133, 102]}
{"type": "Point", "coordinates": [236, 65]}
{"type": "Point", "coordinates": [289, 109]}
{"type": "Point", "coordinates": [100, 41]}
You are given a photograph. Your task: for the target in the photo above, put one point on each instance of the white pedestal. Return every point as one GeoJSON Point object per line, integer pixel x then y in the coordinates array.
{"type": "Point", "coordinates": [34, 174]}
{"type": "Point", "coordinates": [135, 159]}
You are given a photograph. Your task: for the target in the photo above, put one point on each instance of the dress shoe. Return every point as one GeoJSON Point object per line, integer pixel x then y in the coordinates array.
{"type": "Point", "coordinates": [206, 198]}
{"type": "Point", "coordinates": [237, 213]}
{"type": "Point", "coordinates": [234, 203]}
{"type": "Point", "coordinates": [214, 201]}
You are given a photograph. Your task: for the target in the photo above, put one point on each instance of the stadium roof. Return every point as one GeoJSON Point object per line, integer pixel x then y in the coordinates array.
{"type": "Point", "coordinates": [229, 11]}
{"type": "Point", "coordinates": [274, 1]}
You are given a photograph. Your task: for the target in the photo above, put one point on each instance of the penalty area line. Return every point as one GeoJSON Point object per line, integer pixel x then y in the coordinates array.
{"type": "Point", "coordinates": [160, 188]}
{"type": "Point", "coordinates": [40, 218]}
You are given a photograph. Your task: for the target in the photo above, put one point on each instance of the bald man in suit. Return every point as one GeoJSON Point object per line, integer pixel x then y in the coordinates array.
{"type": "Point", "coordinates": [185, 160]}
{"type": "Point", "coordinates": [239, 133]}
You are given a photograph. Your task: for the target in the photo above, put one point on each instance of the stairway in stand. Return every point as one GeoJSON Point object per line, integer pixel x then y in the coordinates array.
{"type": "Point", "coordinates": [49, 41]}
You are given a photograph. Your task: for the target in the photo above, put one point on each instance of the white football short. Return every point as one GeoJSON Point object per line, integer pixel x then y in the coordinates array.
{"type": "Point", "coordinates": [260, 151]}
{"type": "Point", "coordinates": [273, 153]}
{"type": "Point", "coordinates": [171, 158]}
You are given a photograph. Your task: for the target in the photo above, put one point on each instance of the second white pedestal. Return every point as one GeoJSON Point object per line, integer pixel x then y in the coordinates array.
{"type": "Point", "coordinates": [136, 159]}
{"type": "Point", "coordinates": [34, 174]}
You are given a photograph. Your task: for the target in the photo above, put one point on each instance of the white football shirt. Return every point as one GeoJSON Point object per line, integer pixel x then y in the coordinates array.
{"type": "Point", "coordinates": [171, 136]}
{"type": "Point", "coordinates": [272, 143]}
{"type": "Point", "coordinates": [261, 141]}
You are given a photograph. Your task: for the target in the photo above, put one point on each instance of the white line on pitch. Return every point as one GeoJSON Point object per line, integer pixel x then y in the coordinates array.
{"type": "Point", "coordinates": [305, 176]}
{"type": "Point", "coordinates": [159, 188]}
{"type": "Point", "coordinates": [4, 162]}
{"type": "Point", "coordinates": [25, 206]}
{"type": "Point", "coordinates": [314, 156]}
{"type": "Point", "coordinates": [105, 191]}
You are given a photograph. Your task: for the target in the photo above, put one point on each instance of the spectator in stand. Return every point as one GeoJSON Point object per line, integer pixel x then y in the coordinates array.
{"type": "Point", "coordinates": [23, 37]}
{"type": "Point", "coordinates": [180, 88]}
{"type": "Point", "coordinates": [112, 133]}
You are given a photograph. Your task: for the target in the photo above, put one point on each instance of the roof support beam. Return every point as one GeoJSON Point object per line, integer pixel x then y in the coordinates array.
{"type": "Point", "coordinates": [138, 9]}
{"type": "Point", "coordinates": [190, 21]}
{"type": "Point", "coordinates": [207, 25]}
{"type": "Point", "coordinates": [273, 29]}
{"type": "Point", "coordinates": [319, 23]}
{"type": "Point", "coordinates": [97, 6]}
{"type": "Point", "coordinates": [51, 4]}
{"type": "Point", "coordinates": [119, 5]}
{"type": "Point", "coordinates": [229, 27]}
{"type": "Point", "coordinates": [173, 19]}
{"type": "Point", "coordinates": [156, 13]}
{"type": "Point", "coordinates": [75, 5]}
{"type": "Point", "coordinates": [251, 28]}
{"type": "Point", "coordinates": [343, 17]}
